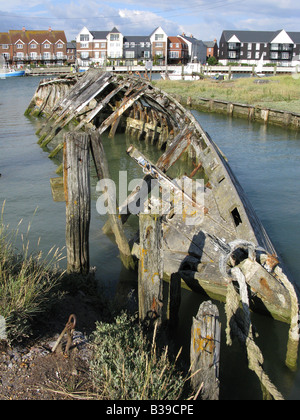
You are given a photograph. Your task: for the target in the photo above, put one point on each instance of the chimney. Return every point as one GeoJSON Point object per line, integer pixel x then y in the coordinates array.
{"type": "Point", "coordinates": [23, 29]}
{"type": "Point", "coordinates": [50, 30]}
{"type": "Point", "coordinates": [191, 36]}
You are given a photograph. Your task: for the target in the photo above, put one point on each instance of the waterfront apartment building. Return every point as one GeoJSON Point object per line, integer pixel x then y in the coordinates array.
{"type": "Point", "coordinates": [111, 47]}
{"type": "Point", "coordinates": [196, 49]}
{"type": "Point", "coordinates": [99, 46]}
{"type": "Point", "coordinates": [178, 51]}
{"type": "Point", "coordinates": [23, 47]}
{"type": "Point", "coordinates": [247, 47]}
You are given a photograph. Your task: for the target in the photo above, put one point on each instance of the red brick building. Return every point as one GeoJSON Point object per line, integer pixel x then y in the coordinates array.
{"type": "Point", "coordinates": [22, 47]}
{"type": "Point", "coordinates": [178, 52]}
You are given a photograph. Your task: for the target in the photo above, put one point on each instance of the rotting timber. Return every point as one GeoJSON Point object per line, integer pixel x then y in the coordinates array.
{"type": "Point", "coordinates": [227, 237]}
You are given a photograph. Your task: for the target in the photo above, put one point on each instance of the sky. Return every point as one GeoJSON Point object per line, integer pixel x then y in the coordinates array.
{"type": "Point", "coordinates": [204, 19]}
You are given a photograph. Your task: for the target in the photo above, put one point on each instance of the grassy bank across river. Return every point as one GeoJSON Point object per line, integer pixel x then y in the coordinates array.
{"type": "Point", "coordinates": [277, 92]}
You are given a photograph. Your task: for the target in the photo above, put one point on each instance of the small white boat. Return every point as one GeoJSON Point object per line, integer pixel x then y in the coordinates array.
{"type": "Point", "coordinates": [11, 73]}
{"type": "Point", "coordinates": [5, 71]}
{"type": "Point", "coordinates": [189, 72]}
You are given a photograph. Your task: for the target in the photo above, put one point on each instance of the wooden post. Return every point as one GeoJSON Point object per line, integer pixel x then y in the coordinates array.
{"type": "Point", "coordinates": [150, 282]}
{"type": "Point", "coordinates": [78, 201]}
{"type": "Point", "coordinates": [205, 351]}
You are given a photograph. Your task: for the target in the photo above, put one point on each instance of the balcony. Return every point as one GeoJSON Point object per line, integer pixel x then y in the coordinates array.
{"type": "Point", "coordinates": [234, 46]}
{"type": "Point", "coordinates": [282, 47]}
{"type": "Point", "coordinates": [39, 57]}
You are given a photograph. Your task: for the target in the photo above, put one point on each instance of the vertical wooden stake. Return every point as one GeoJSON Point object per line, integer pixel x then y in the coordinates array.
{"type": "Point", "coordinates": [78, 201]}
{"type": "Point", "coordinates": [150, 277]}
{"type": "Point", "coordinates": [101, 165]}
{"type": "Point", "coordinates": [205, 351]}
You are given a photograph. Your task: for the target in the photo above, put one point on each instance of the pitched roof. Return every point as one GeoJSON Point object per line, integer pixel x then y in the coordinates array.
{"type": "Point", "coordinates": [176, 39]}
{"type": "Point", "coordinates": [259, 36]}
{"type": "Point", "coordinates": [99, 34]}
{"type": "Point", "coordinates": [251, 36]}
{"type": "Point", "coordinates": [39, 36]}
{"type": "Point", "coordinates": [4, 38]}
{"type": "Point", "coordinates": [114, 30]}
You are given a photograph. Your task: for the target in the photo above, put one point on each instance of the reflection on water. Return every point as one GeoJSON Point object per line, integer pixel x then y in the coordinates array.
{"type": "Point", "coordinates": [266, 162]}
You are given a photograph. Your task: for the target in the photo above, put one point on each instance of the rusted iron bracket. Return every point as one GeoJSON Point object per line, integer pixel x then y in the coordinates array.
{"type": "Point", "coordinates": [69, 330]}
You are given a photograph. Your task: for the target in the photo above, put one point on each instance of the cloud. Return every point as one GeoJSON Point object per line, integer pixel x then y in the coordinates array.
{"type": "Point", "coordinates": [205, 19]}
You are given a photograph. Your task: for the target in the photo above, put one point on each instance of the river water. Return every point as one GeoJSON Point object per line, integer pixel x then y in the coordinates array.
{"type": "Point", "coordinates": [266, 161]}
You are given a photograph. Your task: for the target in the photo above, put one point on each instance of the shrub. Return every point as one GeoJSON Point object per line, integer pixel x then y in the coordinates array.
{"type": "Point", "coordinates": [126, 366]}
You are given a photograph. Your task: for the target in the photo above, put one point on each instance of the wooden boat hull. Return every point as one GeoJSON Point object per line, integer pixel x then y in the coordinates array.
{"type": "Point", "coordinates": [100, 101]}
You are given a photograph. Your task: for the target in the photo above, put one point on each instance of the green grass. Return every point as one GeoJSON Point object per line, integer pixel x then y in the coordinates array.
{"type": "Point", "coordinates": [27, 282]}
{"type": "Point", "coordinates": [280, 92]}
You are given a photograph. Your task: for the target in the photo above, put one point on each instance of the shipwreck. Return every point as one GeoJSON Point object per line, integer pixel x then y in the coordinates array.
{"type": "Point", "coordinates": [226, 244]}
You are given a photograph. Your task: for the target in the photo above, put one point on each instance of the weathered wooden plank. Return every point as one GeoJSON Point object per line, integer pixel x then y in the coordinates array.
{"type": "Point", "coordinates": [57, 189]}
{"type": "Point", "coordinates": [205, 351]}
{"type": "Point", "coordinates": [78, 201]}
{"type": "Point", "coordinates": [99, 107]}
{"type": "Point", "coordinates": [102, 170]}
{"type": "Point", "coordinates": [128, 102]}
{"type": "Point", "coordinates": [150, 275]}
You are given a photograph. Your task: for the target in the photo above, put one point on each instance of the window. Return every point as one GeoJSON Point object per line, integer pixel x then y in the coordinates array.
{"type": "Point", "coordinates": [47, 46]}
{"type": "Point", "coordinates": [129, 54]}
{"type": "Point", "coordinates": [46, 55]}
{"type": "Point", "coordinates": [33, 55]}
{"type": "Point", "coordinates": [4, 46]}
{"type": "Point", "coordinates": [257, 55]}
{"type": "Point", "coordinates": [59, 45]}
{"type": "Point", "coordinates": [285, 56]}
{"type": "Point", "coordinates": [84, 38]}
{"type": "Point", "coordinates": [232, 54]}
{"type": "Point", "coordinates": [146, 54]}
{"type": "Point", "coordinates": [159, 44]}
{"type": "Point", "coordinates": [142, 44]}
{"type": "Point", "coordinates": [159, 53]}
{"type": "Point", "coordinates": [257, 46]}
{"type": "Point", "coordinates": [96, 44]}
{"type": "Point", "coordinates": [249, 46]}
{"type": "Point", "coordinates": [60, 54]}
{"type": "Point", "coordinates": [249, 54]}
{"type": "Point", "coordinates": [114, 37]}
{"type": "Point", "coordinates": [174, 54]}
{"type": "Point", "coordinates": [103, 54]}
{"type": "Point", "coordinates": [159, 37]}
{"type": "Point", "coordinates": [84, 45]}
{"type": "Point", "coordinates": [20, 55]}
{"type": "Point", "coordinates": [126, 45]}
{"type": "Point", "coordinates": [132, 44]}
{"type": "Point", "coordinates": [102, 45]}
{"type": "Point", "coordinates": [19, 46]}
{"type": "Point", "coordinates": [33, 46]}
{"type": "Point", "coordinates": [274, 55]}
{"type": "Point", "coordinates": [84, 55]}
